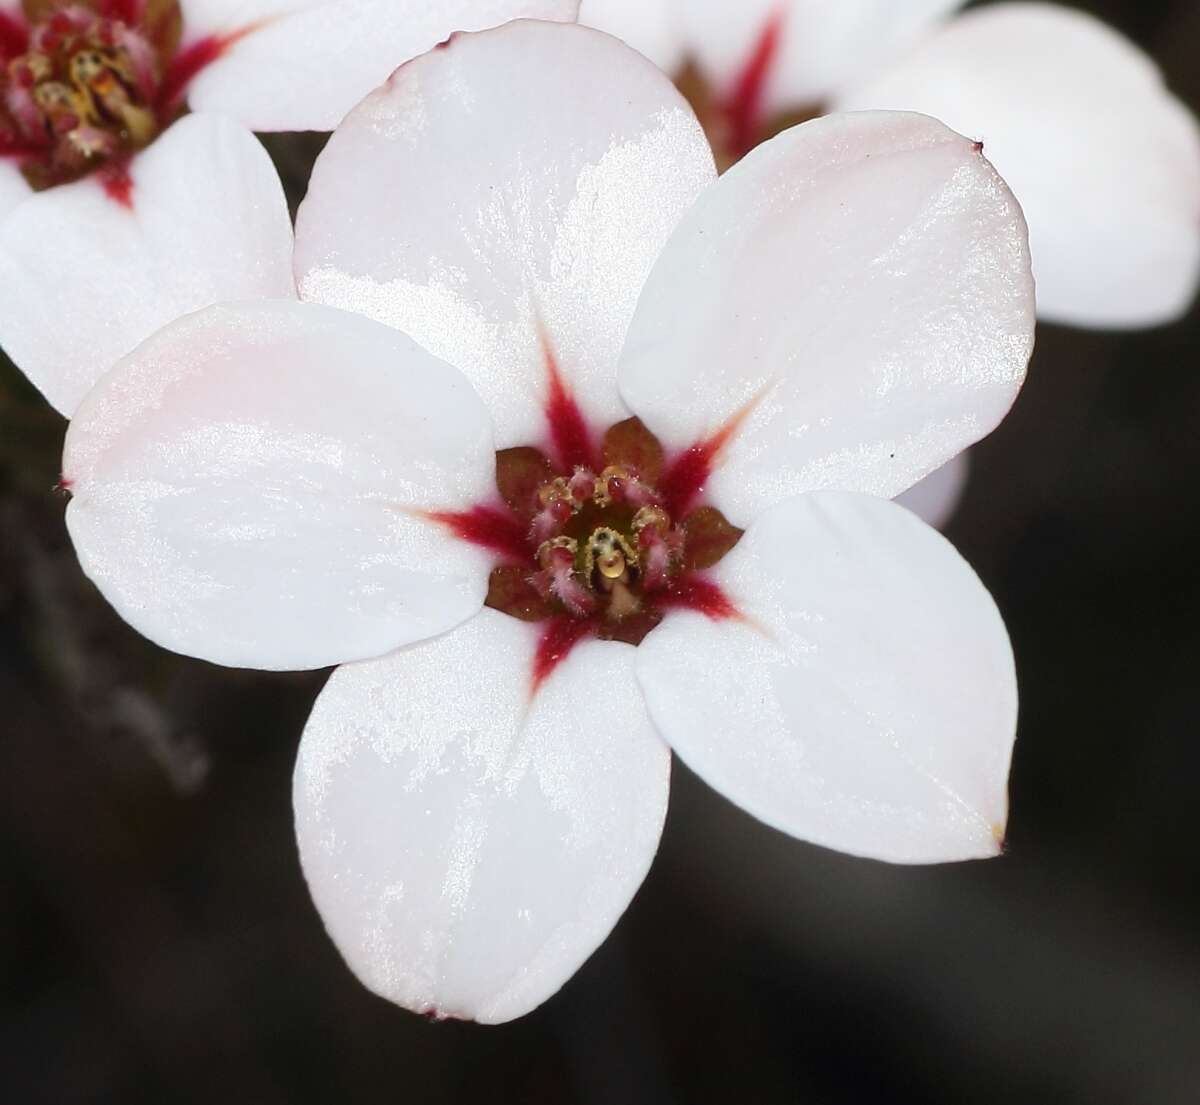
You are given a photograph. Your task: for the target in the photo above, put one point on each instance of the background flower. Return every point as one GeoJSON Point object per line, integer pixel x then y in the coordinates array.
{"type": "Point", "coordinates": [1054, 95]}
{"type": "Point", "coordinates": [194, 215]}
{"type": "Point", "coordinates": [1122, 252]}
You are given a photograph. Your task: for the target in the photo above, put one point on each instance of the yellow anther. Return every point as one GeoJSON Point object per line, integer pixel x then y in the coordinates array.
{"type": "Point", "coordinates": [651, 516]}
{"type": "Point", "coordinates": [547, 547]}
{"type": "Point", "coordinates": [613, 471]}
{"type": "Point", "coordinates": [557, 490]}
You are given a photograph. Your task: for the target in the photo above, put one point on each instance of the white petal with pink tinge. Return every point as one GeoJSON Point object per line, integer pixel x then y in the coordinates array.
{"type": "Point", "coordinates": [1105, 161]}
{"type": "Point", "coordinates": [866, 700]}
{"type": "Point", "coordinates": [498, 188]}
{"type": "Point", "coordinates": [85, 278]}
{"type": "Point", "coordinates": [248, 487]}
{"type": "Point", "coordinates": [302, 64]}
{"type": "Point", "coordinates": [468, 846]}
{"type": "Point", "coordinates": [652, 27]}
{"type": "Point", "coordinates": [860, 287]}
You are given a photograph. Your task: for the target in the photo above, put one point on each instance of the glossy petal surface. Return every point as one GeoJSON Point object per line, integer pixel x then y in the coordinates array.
{"type": "Point", "coordinates": [247, 486]}
{"type": "Point", "coordinates": [862, 282]}
{"type": "Point", "coordinates": [935, 498]}
{"type": "Point", "coordinates": [305, 63]}
{"type": "Point", "coordinates": [823, 44]}
{"type": "Point", "coordinates": [13, 186]}
{"type": "Point", "coordinates": [1105, 161]}
{"type": "Point", "coordinates": [468, 849]}
{"type": "Point", "coordinates": [651, 27]}
{"type": "Point", "coordinates": [84, 278]}
{"type": "Point", "coordinates": [867, 701]}
{"type": "Point", "coordinates": [542, 168]}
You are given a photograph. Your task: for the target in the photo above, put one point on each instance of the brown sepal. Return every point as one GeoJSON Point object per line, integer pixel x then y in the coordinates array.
{"type": "Point", "coordinates": [708, 536]}
{"type": "Point", "coordinates": [629, 443]}
{"type": "Point", "coordinates": [630, 630]}
{"type": "Point", "coordinates": [519, 474]}
{"type": "Point", "coordinates": [510, 592]}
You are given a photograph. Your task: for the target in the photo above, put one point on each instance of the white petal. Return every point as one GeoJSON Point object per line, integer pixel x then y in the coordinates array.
{"type": "Point", "coordinates": [468, 849]}
{"type": "Point", "coordinates": [13, 186]}
{"type": "Point", "coordinates": [823, 44]}
{"type": "Point", "coordinates": [935, 498]}
{"type": "Point", "coordinates": [867, 701]}
{"type": "Point", "coordinates": [651, 27]}
{"type": "Point", "coordinates": [862, 282]}
{"type": "Point", "coordinates": [305, 63]}
{"type": "Point", "coordinates": [541, 168]}
{"type": "Point", "coordinates": [83, 278]}
{"type": "Point", "coordinates": [1105, 161]}
{"type": "Point", "coordinates": [247, 487]}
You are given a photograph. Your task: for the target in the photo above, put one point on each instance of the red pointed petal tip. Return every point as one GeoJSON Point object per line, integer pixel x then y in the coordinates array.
{"type": "Point", "coordinates": [14, 37]}
{"type": "Point", "coordinates": [193, 58]}
{"type": "Point", "coordinates": [560, 635]}
{"type": "Point", "coordinates": [694, 592]}
{"type": "Point", "coordinates": [568, 430]}
{"type": "Point", "coordinates": [687, 474]}
{"type": "Point", "coordinates": [743, 107]}
{"type": "Point", "coordinates": [118, 184]}
{"type": "Point", "coordinates": [497, 530]}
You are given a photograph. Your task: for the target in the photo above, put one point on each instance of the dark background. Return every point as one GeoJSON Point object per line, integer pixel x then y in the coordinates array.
{"type": "Point", "coordinates": [157, 944]}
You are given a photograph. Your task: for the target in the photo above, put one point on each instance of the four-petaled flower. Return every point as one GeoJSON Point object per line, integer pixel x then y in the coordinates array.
{"type": "Point", "coordinates": [114, 218]}
{"type": "Point", "coordinates": [620, 402]}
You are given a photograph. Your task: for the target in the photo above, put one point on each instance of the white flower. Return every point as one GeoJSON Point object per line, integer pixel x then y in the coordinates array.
{"type": "Point", "coordinates": [139, 219]}
{"type": "Point", "coordinates": [287, 484]}
{"type": "Point", "coordinates": [1105, 161]}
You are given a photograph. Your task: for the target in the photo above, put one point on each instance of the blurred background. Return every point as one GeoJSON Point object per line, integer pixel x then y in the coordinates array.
{"type": "Point", "coordinates": [157, 943]}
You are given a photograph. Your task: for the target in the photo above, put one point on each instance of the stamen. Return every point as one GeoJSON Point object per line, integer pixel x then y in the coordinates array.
{"type": "Point", "coordinates": [91, 84]}
{"type": "Point", "coordinates": [603, 553]}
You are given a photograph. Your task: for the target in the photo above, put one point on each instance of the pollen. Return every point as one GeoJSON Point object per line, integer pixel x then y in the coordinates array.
{"type": "Point", "coordinates": [89, 90]}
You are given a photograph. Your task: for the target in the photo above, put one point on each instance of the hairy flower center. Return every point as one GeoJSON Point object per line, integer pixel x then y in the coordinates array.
{"type": "Point", "coordinates": [604, 542]}
{"type": "Point", "coordinates": [81, 94]}
{"type": "Point", "coordinates": [600, 549]}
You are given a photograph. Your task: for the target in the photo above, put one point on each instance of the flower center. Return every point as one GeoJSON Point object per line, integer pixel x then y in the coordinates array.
{"type": "Point", "coordinates": [86, 85]}
{"type": "Point", "coordinates": [605, 542]}
{"type": "Point", "coordinates": [81, 94]}
{"type": "Point", "coordinates": [599, 543]}
{"type": "Point", "coordinates": [602, 549]}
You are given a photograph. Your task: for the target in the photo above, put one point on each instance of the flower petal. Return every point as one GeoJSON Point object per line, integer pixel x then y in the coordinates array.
{"type": "Point", "coordinates": [1105, 161]}
{"type": "Point", "coordinates": [302, 64]}
{"type": "Point", "coordinates": [542, 168]}
{"type": "Point", "coordinates": [865, 701]}
{"type": "Point", "coordinates": [467, 848]}
{"type": "Point", "coordinates": [823, 44]}
{"type": "Point", "coordinates": [84, 278]}
{"type": "Point", "coordinates": [858, 288]}
{"type": "Point", "coordinates": [13, 186]}
{"type": "Point", "coordinates": [652, 27]}
{"type": "Point", "coordinates": [248, 487]}
{"type": "Point", "coordinates": [935, 498]}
